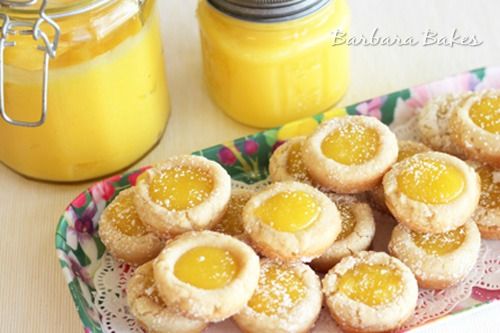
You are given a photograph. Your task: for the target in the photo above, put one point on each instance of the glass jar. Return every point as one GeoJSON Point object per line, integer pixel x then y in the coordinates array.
{"type": "Point", "coordinates": [271, 62]}
{"type": "Point", "coordinates": [106, 97]}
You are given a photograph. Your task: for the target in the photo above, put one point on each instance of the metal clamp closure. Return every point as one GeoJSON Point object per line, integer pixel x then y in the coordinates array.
{"type": "Point", "coordinates": [15, 27]}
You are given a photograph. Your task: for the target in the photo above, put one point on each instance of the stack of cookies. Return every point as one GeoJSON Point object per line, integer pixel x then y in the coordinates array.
{"type": "Point", "coordinates": [207, 253]}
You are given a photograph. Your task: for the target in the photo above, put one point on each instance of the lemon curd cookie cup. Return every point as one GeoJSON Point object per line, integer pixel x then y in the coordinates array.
{"type": "Point", "coordinates": [291, 221]}
{"type": "Point", "coordinates": [181, 194]}
{"type": "Point", "coordinates": [286, 163]}
{"type": "Point", "coordinates": [288, 299]}
{"type": "Point", "coordinates": [206, 275]}
{"type": "Point", "coordinates": [475, 127]}
{"type": "Point", "coordinates": [437, 260]}
{"type": "Point", "coordinates": [358, 230]}
{"type": "Point", "coordinates": [231, 222]}
{"type": "Point", "coordinates": [487, 214]}
{"type": "Point", "coordinates": [370, 292]}
{"type": "Point", "coordinates": [350, 154]}
{"type": "Point", "coordinates": [433, 122]}
{"type": "Point", "coordinates": [149, 309]}
{"type": "Point", "coordinates": [432, 192]}
{"type": "Point", "coordinates": [406, 149]}
{"type": "Point", "coordinates": [123, 233]}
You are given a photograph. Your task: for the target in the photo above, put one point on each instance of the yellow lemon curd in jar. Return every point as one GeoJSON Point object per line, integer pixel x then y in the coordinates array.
{"type": "Point", "coordinates": [207, 267]}
{"type": "Point", "coordinates": [441, 243]}
{"type": "Point", "coordinates": [295, 165]}
{"type": "Point", "coordinates": [124, 216]}
{"type": "Point", "coordinates": [279, 290]}
{"type": "Point", "coordinates": [289, 211]}
{"type": "Point", "coordinates": [431, 181]}
{"type": "Point", "coordinates": [372, 285]}
{"type": "Point", "coordinates": [181, 188]}
{"type": "Point", "coordinates": [231, 223]}
{"type": "Point", "coordinates": [348, 220]}
{"type": "Point", "coordinates": [267, 74]}
{"type": "Point", "coordinates": [107, 95]}
{"type": "Point", "coordinates": [486, 114]}
{"type": "Point", "coordinates": [351, 144]}
{"type": "Point", "coordinates": [490, 187]}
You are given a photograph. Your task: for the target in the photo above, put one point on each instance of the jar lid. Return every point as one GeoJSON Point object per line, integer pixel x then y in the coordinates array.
{"type": "Point", "coordinates": [54, 8]}
{"type": "Point", "coordinates": [268, 10]}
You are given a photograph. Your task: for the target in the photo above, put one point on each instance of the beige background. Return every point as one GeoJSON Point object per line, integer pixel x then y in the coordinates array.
{"type": "Point", "coordinates": [33, 294]}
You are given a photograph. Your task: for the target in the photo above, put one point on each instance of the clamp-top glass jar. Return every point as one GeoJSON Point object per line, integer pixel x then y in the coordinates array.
{"type": "Point", "coordinates": [268, 62]}
{"type": "Point", "coordinates": [88, 97]}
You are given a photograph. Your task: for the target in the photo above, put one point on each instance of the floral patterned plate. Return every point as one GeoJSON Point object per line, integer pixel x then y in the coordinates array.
{"type": "Point", "coordinates": [80, 250]}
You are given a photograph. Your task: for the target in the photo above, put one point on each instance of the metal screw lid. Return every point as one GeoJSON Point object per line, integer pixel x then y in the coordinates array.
{"type": "Point", "coordinates": [268, 10]}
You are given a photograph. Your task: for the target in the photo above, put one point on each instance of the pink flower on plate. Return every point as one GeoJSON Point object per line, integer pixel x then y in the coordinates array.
{"type": "Point", "coordinates": [104, 190]}
{"type": "Point", "coordinates": [226, 156]}
{"type": "Point", "coordinates": [80, 200]}
{"type": "Point", "coordinates": [371, 108]}
{"type": "Point", "coordinates": [251, 147]}
{"type": "Point", "coordinates": [485, 295]}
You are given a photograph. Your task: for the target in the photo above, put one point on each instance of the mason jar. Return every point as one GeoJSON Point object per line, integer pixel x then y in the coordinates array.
{"type": "Point", "coordinates": [84, 86]}
{"type": "Point", "coordinates": [271, 62]}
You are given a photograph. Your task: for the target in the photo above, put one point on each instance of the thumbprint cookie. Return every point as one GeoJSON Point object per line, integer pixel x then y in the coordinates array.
{"type": "Point", "coordinates": [350, 154]}
{"type": "Point", "coordinates": [358, 230]}
{"type": "Point", "coordinates": [291, 220]}
{"type": "Point", "coordinates": [206, 275]}
{"type": "Point", "coordinates": [437, 260]}
{"type": "Point", "coordinates": [370, 292]}
{"type": "Point", "coordinates": [123, 233]}
{"type": "Point", "coordinates": [432, 192]}
{"type": "Point", "coordinates": [149, 309]}
{"type": "Point", "coordinates": [231, 222]}
{"type": "Point", "coordinates": [406, 149]}
{"type": "Point", "coordinates": [475, 127]}
{"type": "Point", "coordinates": [287, 300]}
{"type": "Point", "coordinates": [183, 193]}
{"type": "Point", "coordinates": [487, 214]}
{"type": "Point", "coordinates": [286, 162]}
{"type": "Point", "coordinates": [434, 120]}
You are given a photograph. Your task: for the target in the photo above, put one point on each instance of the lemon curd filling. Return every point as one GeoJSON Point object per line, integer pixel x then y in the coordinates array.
{"type": "Point", "coordinates": [439, 244]}
{"type": "Point", "coordinates": [371, 284]}
{"type": "Point", "coordinates": [125, 217]}
{"type": "Point", "coordinates": [431, 181]}
{"type": "Point", "coordinates": [206, 267]}
{"type": "Point", "coordinates": [181, 188]}
{"type": "Point", "coordinates": [490, 189]}
{"type": "Point", "coordinates": [231, 223]}
{"type": "Point", "coordinates": [486, 114]}
{"type": "Point", "coordinates": [351, 145]}
{"type": "Point", "coordinates": [289, 211]}
{"type": "Point", "coordinates": [348, 220]}
{"type": "Point", "coordinates": [295, 165]}
{"type": "Point", "coordinates": [279, 290]}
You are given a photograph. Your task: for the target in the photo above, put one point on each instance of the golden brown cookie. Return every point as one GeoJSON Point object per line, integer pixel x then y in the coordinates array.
{"type": "Point", "coordinates": [123, 233]}
{"type": "Point", "coordinates": [206, 275]}
{"type": "Point", "coordinates": [350, 154]}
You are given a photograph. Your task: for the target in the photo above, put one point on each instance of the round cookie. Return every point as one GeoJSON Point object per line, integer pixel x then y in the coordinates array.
{"type": "Point", "coordinates": [181, 194]}
{"type": "Point", "coordinates": [206, 275]}
{"type": "Point", "coordinates": [288, 299]}
{"type": "Point", "coordinates": [431, 192]}
{"type": "Point", "coordinates": [291, 221]}
{"type": "Point", "coordinates": [123, 233]}
{"type": "Point", "coordinates": [406, 149]}
{"type": "Point", "coordinates": [350, 154]}
{"type": "Point", "coordinates": [487, 214]}
{"type": "Point", "coordinates": [434, 120]}
{"type": "Point", "coordinates": [475, 127]}
{"type": "Point", "coordinates": [286, 163]}
{"type": "Point", "coordinates": [370, 292]}
{"type": "Point", "coordinates": [358, 230]}
{"type": "Point", "coordinates": [437, 260]}
{"type": "Point", "coordinates": [150, 311]}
